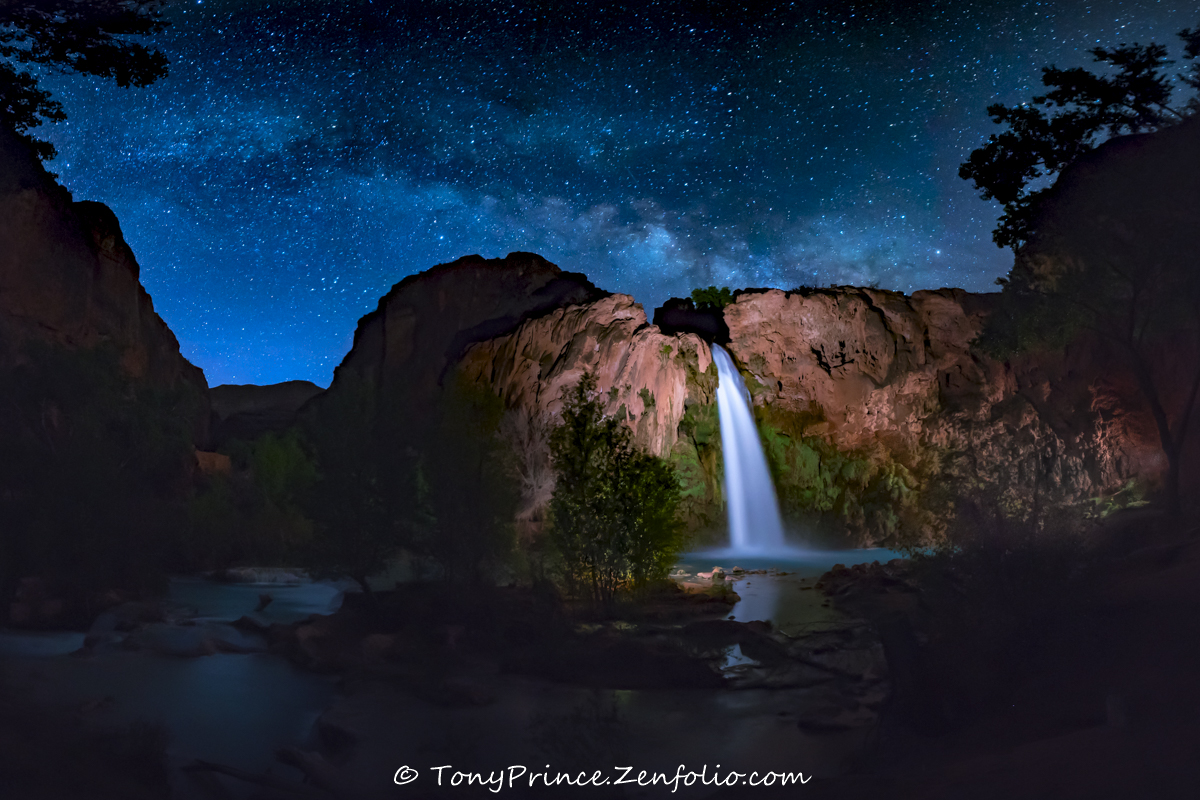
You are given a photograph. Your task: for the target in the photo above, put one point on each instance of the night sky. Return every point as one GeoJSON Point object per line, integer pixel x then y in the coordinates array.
{"type": "Point", "coordinates": [303, 156]}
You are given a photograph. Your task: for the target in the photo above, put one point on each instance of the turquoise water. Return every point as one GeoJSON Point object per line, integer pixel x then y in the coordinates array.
{"type": "Point", "coordinates": [784, 596]}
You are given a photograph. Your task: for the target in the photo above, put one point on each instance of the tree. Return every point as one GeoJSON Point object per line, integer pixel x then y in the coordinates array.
{"type": "Point", "coordinates": [1081, 110]}
{"type": "Point", "coordinates": [614, 509]}
{"type": "Point", "coordinates": [712, 298]}
{"type": "Point", "coordinates": [469, 488]}
{"type": "Point", "coordinates": [1112, 256]}
{"type": "Point", "coordinates": [93, 464]}
{"type": "Point", "coordinates": [85, 36]}
{"type": "Point", "coordinates": [366, 505]}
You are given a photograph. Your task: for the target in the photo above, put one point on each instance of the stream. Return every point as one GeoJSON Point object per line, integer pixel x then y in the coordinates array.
{"type": "Point", "coordinates": [239, 708]}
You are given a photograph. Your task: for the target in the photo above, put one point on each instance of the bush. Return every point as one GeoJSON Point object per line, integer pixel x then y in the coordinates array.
{"type": "Point", "coordinates": [712, 298]}
{"type": "Point", "coordinates": [95, 464]}
{"type": "Point", "coordinates": [614, 511]}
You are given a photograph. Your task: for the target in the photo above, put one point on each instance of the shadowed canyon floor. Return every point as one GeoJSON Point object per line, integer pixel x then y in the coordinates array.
{"type": "Point", "coordinates": [1104, 706]}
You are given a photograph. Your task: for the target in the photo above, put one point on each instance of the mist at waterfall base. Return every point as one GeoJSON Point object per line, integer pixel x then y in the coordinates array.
{"type": "Point", "coordinates": [756, 534]}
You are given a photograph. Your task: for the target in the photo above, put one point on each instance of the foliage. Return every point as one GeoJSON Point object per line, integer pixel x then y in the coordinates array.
{"type": "Point", "coordinates": [257, 514]}
{"type": "Point", "coordinates": [697, 461]}
{"type": "Point", "coordinates": [712, 298]}
{"type": "Point", "coordinates": [1131, 495]}
{"type": "Point", "coordinates": [614, 509]}
{"type": "Point", "coordinates": [86, 37]}
{"type": "Point", "coordinates": [469, 488]}
{"type": "Point", "coordinates": [527, 435]}
{"type": "Point", "coordinates": [1080, 110]}
{"type": "Point", "coordinates": [366, 504]}
{"type": "Point", "coordinates": [94, 462]}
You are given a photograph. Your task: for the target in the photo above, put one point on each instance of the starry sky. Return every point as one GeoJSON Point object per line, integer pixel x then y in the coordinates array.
{"type": "Point", "coordinates": [304, 155]}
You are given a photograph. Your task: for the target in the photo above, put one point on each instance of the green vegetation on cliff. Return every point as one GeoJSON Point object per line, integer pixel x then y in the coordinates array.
{"type": "Point", "coordinates": [712, 298]}
{"type": "Point", "coordinates": [870, 495]}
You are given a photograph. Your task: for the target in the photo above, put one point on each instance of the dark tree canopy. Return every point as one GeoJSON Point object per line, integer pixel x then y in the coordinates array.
{"type": "Point", "coordinates": [1111, 257]}
{"type": "Point", "coordinates": [85, 36]}
{"type": "Point", "coordinates": [1080, 110]}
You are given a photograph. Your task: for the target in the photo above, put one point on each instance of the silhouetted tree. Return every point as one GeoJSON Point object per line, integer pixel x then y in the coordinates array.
{"type": "Point", "coordinates": [366, 504]}
{"type": "Point", "coordinates": [86, 36]}
{"type": "Point", "coordinates": [1080, 110]}
{"type": "Point", "coordinates": [91, 465]}
{"type": "Point", "coordinates": [1112, 256]}
{"type": "Point", "coordinates": [468, 485]}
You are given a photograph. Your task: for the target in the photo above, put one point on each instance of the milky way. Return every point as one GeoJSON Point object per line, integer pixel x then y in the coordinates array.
{"type": "Point", "coordinates": [301, 157]}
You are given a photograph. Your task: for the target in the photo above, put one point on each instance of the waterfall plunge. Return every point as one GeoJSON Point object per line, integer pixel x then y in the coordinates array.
{"type": "Point", "coordinates": [754, 523]}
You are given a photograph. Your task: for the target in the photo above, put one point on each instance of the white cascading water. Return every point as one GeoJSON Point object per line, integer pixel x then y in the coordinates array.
{"type": "Point", "coordinates": [754, 522]}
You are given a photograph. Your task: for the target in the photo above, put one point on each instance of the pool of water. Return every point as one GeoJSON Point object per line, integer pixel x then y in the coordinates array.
{"type": "Point", "coordinates": [235, 709]}
{"type": "Point", "coordinates": [238, 709]}
{"type": "Point", "coordinates": [784, 596]}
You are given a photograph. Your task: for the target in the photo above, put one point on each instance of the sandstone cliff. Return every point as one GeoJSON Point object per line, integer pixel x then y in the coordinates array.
{"type": "Point", "coordinates": [642, 373]}
{"type": "Point", "coordinates": [869, 402]}
{"type": "Point", "coordinates": [874, 401]}
{"type": "Point", "coordinates": [246, 411]}
{"type": "Point", "coordinates": [403, 349]}
{"type": "Point", "coordinates": [68, 278]}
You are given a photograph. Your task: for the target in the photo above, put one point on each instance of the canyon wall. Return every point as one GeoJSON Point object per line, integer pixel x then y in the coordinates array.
{"type": "Point", "coordinates": [403, 349]}
{"type": "Point", "coordinates": [879, 413]}
{"type": "Point", "coordinates": [872, 404]}
{"type": "Point", "coordinates": [68, 279]}
{"type": "Point", "coordinates": [101, 413]}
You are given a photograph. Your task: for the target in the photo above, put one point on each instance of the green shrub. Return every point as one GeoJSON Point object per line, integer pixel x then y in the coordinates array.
{"type": "Point", "coordinates": [712, 298]}
{"type": "Point", "coordinates": [614, 511]}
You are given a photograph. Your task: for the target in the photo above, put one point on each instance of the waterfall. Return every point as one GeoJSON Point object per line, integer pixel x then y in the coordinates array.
{"type": "Point", "coordinates": [754, 523]}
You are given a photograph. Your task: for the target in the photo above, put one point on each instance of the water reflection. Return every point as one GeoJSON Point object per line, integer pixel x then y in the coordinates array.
{"type": "Point", "coordinates": [777, 588]}
{"type": "Point", "coordinates": [234, 709]}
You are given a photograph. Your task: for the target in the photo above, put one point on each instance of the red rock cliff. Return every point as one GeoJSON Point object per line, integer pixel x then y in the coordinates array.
{"type": "Point", "coordinates": [67, 277]}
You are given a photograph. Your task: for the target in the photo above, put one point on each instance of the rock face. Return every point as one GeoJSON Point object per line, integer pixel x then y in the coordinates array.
{"type": "Point", "coordinates": [642, 373]}
{"type": "Point", "coordinates": [876, 410]}
{"type": "Point", "coordinates": [403, 349]}
{"type": "Point", "coordinates": [1128, 213]}
{"type": "Point", "coordinates": [869, 402]}
{"type": "Point", "coordinates": [247, 411]}
{"type": "Point", "coordinates": [68, 278]}
{"type": "Point", "coordinates": [870, 397]}
{"type": "Point", "coordinates": [874, 362]}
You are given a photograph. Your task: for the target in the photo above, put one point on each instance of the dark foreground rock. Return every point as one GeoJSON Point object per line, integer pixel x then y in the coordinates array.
{"type": "Point", "coordinates": [1101, 702]}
